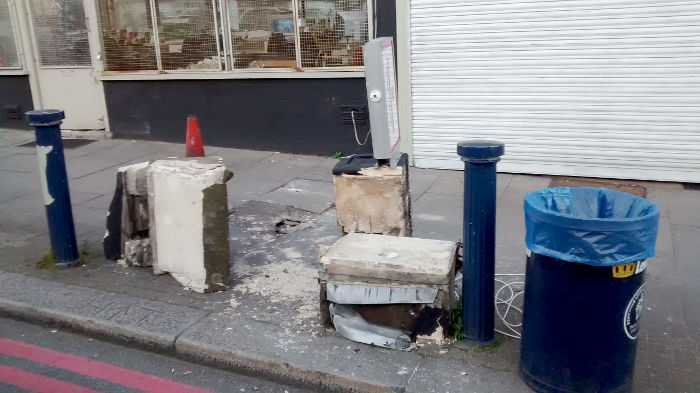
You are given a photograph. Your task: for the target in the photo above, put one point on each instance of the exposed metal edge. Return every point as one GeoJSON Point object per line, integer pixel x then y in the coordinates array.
{"type": "Point", "coordinates": [275, 370]}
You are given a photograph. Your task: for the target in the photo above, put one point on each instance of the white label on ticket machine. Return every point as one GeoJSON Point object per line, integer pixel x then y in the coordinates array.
{"type": "Point", "coordinates": [380, 77]}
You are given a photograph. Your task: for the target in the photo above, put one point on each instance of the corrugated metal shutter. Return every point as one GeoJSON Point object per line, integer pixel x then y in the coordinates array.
{"type": "Point", "coordinates": [607, 88]}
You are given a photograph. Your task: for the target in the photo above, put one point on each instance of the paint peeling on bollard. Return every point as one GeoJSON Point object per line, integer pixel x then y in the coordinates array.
{"type": "Point", "coordinates": [480, 158]}
{"type": "Point", "coordinates": [54, 184]}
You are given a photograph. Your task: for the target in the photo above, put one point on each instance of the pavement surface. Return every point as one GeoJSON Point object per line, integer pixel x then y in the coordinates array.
{"type": "Point", "coordinates": [267, 323]}
{"type": "Point", "coordinates": [44, 359]}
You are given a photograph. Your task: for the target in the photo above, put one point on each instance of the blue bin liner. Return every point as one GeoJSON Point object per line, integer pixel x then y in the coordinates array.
{"type": "Point", "coordinates": [595, 226]}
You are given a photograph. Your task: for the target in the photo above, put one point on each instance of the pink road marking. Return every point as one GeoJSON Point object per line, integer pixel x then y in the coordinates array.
{"type": "Point", "coordinates": [38, 383]}
{"type": "Point", "coordinates": [93, 368]}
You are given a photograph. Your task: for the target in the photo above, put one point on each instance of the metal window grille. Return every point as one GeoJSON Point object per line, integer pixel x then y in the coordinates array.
{"type": "Point", "coordinates": [254, 34]}
{"type": "Point", "coordinates": [332, 32]}
{"type": "Point", "coordinates": [8, 45]}
{"type": "Point", "coordinates": [60, 33]}
{"type": "Point", "coordinates": [262, 33]}
{"type": "Point", "coordinates": [188, 34]}
{"type": "Point", "coordinates": [127, 35]}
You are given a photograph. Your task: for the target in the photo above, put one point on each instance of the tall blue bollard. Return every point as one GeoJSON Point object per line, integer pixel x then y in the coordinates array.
{"type": "Point", "coordinates": [480, 158]}
{"type": "Point", "coordinates": [54, 184]}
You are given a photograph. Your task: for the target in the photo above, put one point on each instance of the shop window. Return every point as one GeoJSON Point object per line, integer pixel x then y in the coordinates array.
{"type": "Point", "coordinates": [8, 46]}
{"type": "Point", "coordinates": [249, 34]}
{"type": "Point", "coordinates": [60, 33]}
{"type": "Point", "coordinates": [330, 33]}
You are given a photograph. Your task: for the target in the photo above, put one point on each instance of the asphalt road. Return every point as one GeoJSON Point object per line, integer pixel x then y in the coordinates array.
{"type": "Point", "coordinates": [44, 359]}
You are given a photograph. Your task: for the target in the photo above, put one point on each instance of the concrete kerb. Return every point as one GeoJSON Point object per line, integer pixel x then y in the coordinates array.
{"type": "Point", "coordinates": [174, 343]}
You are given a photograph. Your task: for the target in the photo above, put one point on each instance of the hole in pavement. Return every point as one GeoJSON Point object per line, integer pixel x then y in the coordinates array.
{"type": "Point", "coordinates": [285, 225]}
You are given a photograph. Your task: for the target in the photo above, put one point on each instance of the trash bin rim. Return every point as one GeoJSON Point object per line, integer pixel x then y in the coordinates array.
{"type": "Point", "coordinates": [654, 211]}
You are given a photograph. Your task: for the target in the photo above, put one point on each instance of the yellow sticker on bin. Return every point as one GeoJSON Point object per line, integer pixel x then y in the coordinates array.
{"type": "Point", "coordinates": [624, 270]}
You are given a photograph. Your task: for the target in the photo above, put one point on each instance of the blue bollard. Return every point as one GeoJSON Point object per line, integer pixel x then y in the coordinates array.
{"type": "Point", "coordinates": [54, 184]}
{"type": "Point", "coordinates": [480, 158]}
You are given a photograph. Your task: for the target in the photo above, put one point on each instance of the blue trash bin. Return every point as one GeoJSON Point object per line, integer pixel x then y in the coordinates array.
{"type": "Point", "coordinates": [584, 286]}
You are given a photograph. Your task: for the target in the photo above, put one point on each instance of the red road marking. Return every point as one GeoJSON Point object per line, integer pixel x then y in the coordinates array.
{"type": "Point", "coordinates": [93, 368]}
{"type": "Point", "coordinates": [38, 383]}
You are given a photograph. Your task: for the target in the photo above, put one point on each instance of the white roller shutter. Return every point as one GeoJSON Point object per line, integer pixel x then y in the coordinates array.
{"type": "Point", "coordinates": [606, 88]}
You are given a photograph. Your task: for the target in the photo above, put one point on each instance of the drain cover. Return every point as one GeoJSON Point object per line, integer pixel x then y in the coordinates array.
{"type": "Point", "coordinates": [67, 143]}
{"type": "Point", "coordinates": [613, 184]}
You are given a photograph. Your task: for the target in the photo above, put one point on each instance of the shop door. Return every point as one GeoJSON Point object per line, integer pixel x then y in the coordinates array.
{"type": "Point", "coordinates": [65, 44]}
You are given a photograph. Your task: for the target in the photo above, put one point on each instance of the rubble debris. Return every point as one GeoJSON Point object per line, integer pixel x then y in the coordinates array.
{"type": "Point", "coordinates": [350, 324]}
{"type": "Point", "coordinates": [189, 221]}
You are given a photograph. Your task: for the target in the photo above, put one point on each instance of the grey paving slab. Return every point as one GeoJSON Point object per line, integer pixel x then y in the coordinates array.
{"type": "Point", "coordinates": [153, 324]}
{"type": "Point", "coordinates": [684, 207]}
{"type": "Point", "coordinates": [325, 361]}
{"type": "Point", "coordinates": [448, 182]}
{"type": "Point", "coordinates": [421, 179]}
{"type": "Point", "coordinates": [438, 216]}
{"type": "Point", "coordinates": [98, 182]}
{"type": "Point", "coordinates": [310, 195]}
{"type": "Point", "coordinates": [26, 212]}
{"type": "Point", "coordinates": [22, 163]}
{"type": "Point", "coordinates": [510, 240]}
{"type": "Point", "coordinates": [94, 147]}
{"type": "Point", "coordinates": [470, 369]}
{"type": "Point", "coordinates": [514, 193]}
{"type": "Point", "coordinates": [237, 158]}
{"type": "Point", "coordinates": [686, 245]}
{"type": "Point", "coordinates": [242, 189]}
{"type": "Point", "coordinates": [323, 170]}
{"type": "Point", "coordinates": [14, 184]}
{"type": "Point", "coordinates": [9, 137]}
{"type": "Point", "coordinates": [279, 166]}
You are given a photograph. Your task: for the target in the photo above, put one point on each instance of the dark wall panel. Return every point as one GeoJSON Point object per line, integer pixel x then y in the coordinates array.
{"type": "Point", "coordinates": [289, 115]}
{"type": "Point", "coordinates": [15, 91]}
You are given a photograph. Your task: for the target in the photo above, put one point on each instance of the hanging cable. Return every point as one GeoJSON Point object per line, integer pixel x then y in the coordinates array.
{"type": "Point", "coordinates": [354, 126]}
{"type": "Point", "coordinates": [512, 293]}
{"type": "Point", "coordinates": [505, 298]}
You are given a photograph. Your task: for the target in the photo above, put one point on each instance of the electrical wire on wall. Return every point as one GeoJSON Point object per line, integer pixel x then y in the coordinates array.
{"type": "Point", "coordinates": [354, 126]}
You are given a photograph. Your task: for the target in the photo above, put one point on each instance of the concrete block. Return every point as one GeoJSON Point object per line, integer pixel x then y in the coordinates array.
{"type": "Point", "coordinates": [390, 258]}
{"type": "Point", "coordinates": [387, 270]}
{"type": "Point", "coordinates": [374, 200]}
{"type": "Point", "coordinates": [189, 221]}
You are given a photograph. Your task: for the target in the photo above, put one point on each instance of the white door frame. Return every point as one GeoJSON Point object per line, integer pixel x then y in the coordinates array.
{"type": "Point", "coordinates": [30, 57]}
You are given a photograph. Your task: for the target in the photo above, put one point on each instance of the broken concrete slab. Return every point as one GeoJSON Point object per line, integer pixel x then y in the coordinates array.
{"type": "Point", "coordinates": [390, 282]}
{"type": "Point", "coordinates": [189, 221]}
{"type": "Point", "coordinates": [391, 258]}
{"type": "Point", "coordinates": [371, 199]}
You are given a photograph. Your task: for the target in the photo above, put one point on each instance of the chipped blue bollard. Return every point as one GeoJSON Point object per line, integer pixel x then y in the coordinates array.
{"type": "Point", "coordinates": [480, 158]}
{"type": "Point", "coordinates": [54, 184]}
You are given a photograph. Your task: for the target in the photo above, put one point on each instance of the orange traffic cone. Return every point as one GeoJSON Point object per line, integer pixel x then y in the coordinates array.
{"type": "Point", "coordinates": [194, 146]}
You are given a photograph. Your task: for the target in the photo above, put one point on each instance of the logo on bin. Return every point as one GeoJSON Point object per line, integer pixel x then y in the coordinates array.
{"type": "Point", "coordinates": [632, 314]}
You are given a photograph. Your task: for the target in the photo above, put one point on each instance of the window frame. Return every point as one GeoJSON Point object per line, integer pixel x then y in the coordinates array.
{"type": "Point", "coordinates": [20, 69]}
{"type": "Point", "coordinates": [225, 45]}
